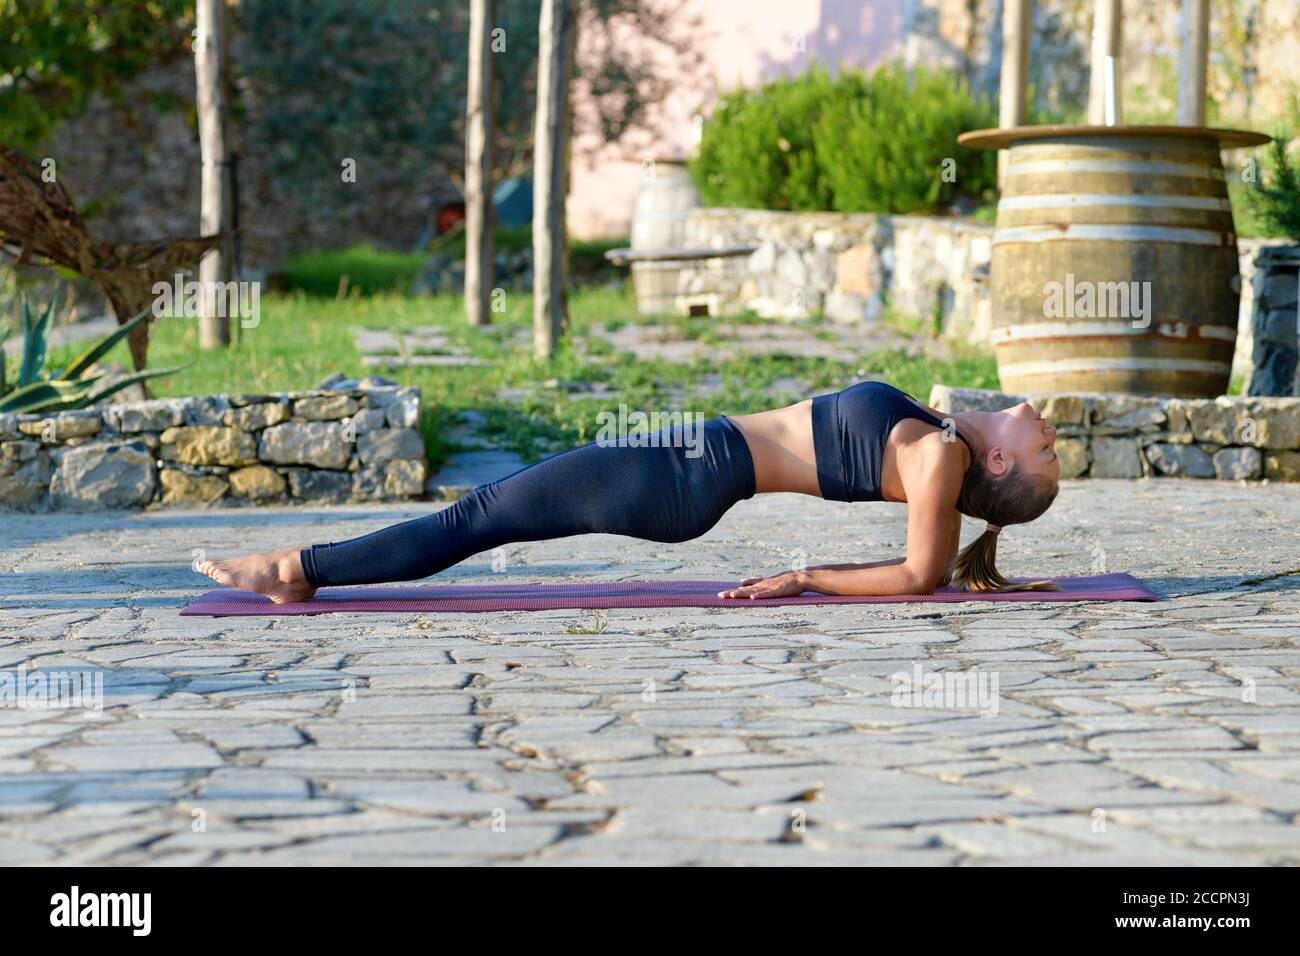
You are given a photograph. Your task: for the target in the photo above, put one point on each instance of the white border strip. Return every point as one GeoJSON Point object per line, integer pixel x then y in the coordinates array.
{"type": "Point", "coordinates": [1058, 166]}
{"type": "Point", "coordinates": [1071, 200]}
{"type": "Point", "coordinates": [1097, 232]}
{"type": "Point", "coordinates": [1064, 365]}
{"type": "Point", "coordinates": [1052, 330]}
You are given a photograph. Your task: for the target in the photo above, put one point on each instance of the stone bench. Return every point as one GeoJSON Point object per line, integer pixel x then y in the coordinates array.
{"type": "Point", "coordinates": [1136, 436]}
{"type": "Point", "coordinates": [359, 444]}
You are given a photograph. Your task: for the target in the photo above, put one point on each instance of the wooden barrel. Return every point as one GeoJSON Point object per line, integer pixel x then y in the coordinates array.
{"type": "Point", "coordinates": [659, 222]}
{"type": "Point", "coordinates": [1114, 259]}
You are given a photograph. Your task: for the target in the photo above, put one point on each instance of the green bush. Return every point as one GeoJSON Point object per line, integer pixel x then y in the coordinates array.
{"type": "Point", "coordinates": [853, 143]}
{"type": "Point", "coordinates": [1274, 203]}
{"type": "Point", "coordinates": [757, 147]}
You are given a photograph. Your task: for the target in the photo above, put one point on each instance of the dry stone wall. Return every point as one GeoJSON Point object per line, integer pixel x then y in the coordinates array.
{"type": "Point", "coordinates": [1140, 436]}
{"type": "Point", "coordinates": [360, 444]}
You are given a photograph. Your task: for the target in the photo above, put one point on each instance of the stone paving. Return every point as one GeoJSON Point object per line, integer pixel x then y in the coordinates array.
{"type": "Point", "coordinates": [1119, 733]}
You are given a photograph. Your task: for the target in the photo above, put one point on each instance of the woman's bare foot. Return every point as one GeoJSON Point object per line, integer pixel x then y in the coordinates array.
{"type": "Point", "coordinates": [277, 574]}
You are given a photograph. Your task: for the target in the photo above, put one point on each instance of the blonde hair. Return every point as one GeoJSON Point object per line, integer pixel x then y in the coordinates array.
{"type": "Point", "coordinates": [1015, 498]}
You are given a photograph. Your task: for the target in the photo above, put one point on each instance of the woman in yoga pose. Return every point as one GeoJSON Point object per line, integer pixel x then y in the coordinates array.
{"type": "Point", "coordinates": [869, 442]}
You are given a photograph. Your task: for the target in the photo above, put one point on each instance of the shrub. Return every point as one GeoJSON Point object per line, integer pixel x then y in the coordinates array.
{"type": "Point", "coordinates": [1275, 202]}
{"type": "Point", "coordinates": [757, 146]}
{"type": "Point", "coordinates": [853, 143]}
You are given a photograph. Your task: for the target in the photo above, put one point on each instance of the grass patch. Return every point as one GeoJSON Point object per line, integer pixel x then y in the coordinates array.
{"type": "Point", "coordinates": [370, 271]}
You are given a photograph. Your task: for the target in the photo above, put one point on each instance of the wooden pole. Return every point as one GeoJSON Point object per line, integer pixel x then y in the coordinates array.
{"type": "Point", "coordinates": [1107, 37]}
{"type": "Point", "coordinates": [478, 166]}
{"type": "Point", "coordinates": [550, 174]}
{"type": "Point", "coordinates": [214, 202]}
{"type": "Point", "coordinates": [1193, 51]}
{"type": "Point", "coordinates": [1017, 26]}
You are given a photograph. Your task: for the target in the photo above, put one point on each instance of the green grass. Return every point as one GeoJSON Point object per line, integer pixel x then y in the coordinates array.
{"type": "Point", "coordinates": [370, 271]}
{"type": "Point", "coordinates": [301, 339]}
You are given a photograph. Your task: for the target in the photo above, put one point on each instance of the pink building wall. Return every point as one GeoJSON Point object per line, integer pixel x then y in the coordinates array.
{"type": "Point", "coordinates": [743, 43]}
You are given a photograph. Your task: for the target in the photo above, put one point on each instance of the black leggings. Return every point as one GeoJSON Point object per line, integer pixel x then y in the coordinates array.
{"type": "Point", "coordinates": [673, 492]}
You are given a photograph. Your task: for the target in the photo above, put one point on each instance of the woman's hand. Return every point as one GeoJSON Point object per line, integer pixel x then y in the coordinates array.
{"type": "Point", "coordinates": [786, 584]}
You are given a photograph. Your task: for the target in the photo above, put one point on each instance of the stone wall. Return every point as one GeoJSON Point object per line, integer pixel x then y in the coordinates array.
{"type": "Point", "coordinates": [848, 266]}
{"type": "Point", "coordinates": [1136, 436]}
{"type": "Point", "coordinates": [354, 444]}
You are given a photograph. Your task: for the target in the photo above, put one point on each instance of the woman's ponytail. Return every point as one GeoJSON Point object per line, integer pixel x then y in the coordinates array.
{"type": "Point", "coordinates": [976, 570]}
{"type": "Point", "coordinates": [1014, 498]}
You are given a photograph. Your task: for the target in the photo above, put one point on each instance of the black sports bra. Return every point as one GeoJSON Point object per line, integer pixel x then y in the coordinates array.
{"type": "Point", "coordinates": [850, 428]}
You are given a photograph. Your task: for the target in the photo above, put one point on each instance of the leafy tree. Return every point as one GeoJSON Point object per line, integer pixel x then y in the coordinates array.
{"type": "Point", "coordinates": [56, 54]}
{"type": "Point", "coordinates": [333, 77]}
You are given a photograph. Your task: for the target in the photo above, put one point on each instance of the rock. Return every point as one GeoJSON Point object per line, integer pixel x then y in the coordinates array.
{"type": "Point", "coordinates": [24, 473]}
{"type": "Point", "coordinates": [846, 307]}
{"type": "Point", "coordinates": [320, 444]}
{"type": "Point", "coordinates": [1073, 453]}
{"type": "Point", "coordinates": [208, 445]}
{"type": "Point", "coordinates": [404, 479]}
{"type": "Point", "coordinates": [252, 418]}
{"type": "Point", "coordinates": [404, 411]}
{"type": "Point", "coordinates": [1121, 414]}
{"type": "Point", "coordinates": [368, 420]}
{"type": "Point", "coordinates": [1277, 423]}
{"type": "Point", "coordinates": [329, 382]}
{"type": "Point", "coordinates": [379, 396]}
{"type": "Point", "coordinates": [1218, 421]}
{"type": "Point", "coordinates": [325, 407]}
{"type": "Point", "coordinates": [858, 271]}
{"type": "Point", "coordinates": [239, 401]}
{"type": "Point", "coordinates": [376, 447]}
{"type": "Point", "coordinates": [1116, 458]}
{"type": "Point", "coordinates": [791, 269]}
{"type": "Point", "coordinates": [105, 476]}
{"type": "Point", "coordinates": [257, 483]}
{"type": "Point", "coordinates": [945, 398]}
{"type": "Point", "coordinates": [1176, 416]}
{"type": "Point", "coordinates": [1282, 466]}
{"type": "Point", "coordinates": [320, 485]}
{"type": "Point", "coordinates": [61, 426]}
{"type": "Point", "coordinates": [9, 428]}
{"type": "Point", "coordinates": [1188, 461]}
{"type": "Point", "coordinates": [1062, 409]}
{"type": "Point", "coordinates": [182, 486]}
{"type": "Point", "coordinates": [368, 482]}
{"type": "Point", "coordinates": [15, 454]}
{"type": "Point", "coordinates": [208, 410]}
{"type": "Point", "coordinates": [1238, 463]}
{"type": "Point", "coordinates": [148, 416]}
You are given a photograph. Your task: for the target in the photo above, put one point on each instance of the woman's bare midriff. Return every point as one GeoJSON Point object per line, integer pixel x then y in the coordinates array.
{"type": "Point", "coordinates": [781, 443]}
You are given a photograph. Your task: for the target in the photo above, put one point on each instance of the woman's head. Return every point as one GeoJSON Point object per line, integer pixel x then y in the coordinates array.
{"type": "Point", "coordinates": [1013, 480]}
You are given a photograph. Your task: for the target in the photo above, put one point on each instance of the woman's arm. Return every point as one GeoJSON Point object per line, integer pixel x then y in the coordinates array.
{"type": "Point", "coordinates": [932, 526]}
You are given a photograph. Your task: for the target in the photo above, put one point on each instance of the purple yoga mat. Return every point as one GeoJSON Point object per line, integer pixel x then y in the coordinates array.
{"type": "Point", "coordinates": [471, 598]}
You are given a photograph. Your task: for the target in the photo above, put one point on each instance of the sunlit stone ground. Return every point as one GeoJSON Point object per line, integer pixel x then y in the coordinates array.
{"type": "Point", "coordinates": [1124, 733]}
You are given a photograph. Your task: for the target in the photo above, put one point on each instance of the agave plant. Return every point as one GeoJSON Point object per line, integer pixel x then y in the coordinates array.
{"type": "Point", "coordinates": [75, 386]}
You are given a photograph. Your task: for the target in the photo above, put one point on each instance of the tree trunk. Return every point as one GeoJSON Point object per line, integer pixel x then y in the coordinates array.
{"type": "Point", "coordinates": [214, 216]}
{"type": "Point", "coordinates": [1017, 25]}
{"type": "Point", "coordinates": [1107, 40]}
{"type": "Point", "coordinates": [1193, 47]}
{"type": "Point", "coordinates": [550, 174]}
{"type": "Point", "coordinates": [478, 166]}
